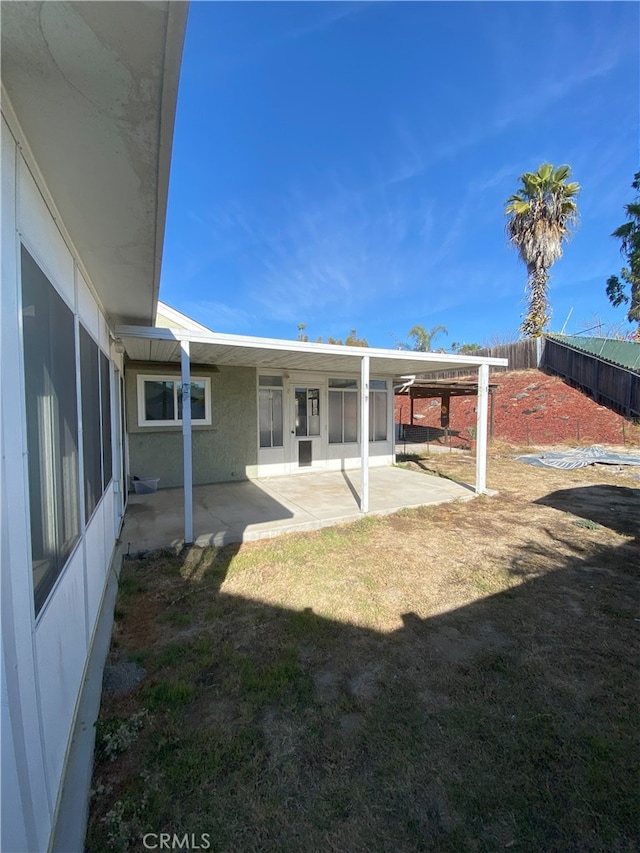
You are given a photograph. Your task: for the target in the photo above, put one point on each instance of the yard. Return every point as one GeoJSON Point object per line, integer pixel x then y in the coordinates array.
{"type": "Point", "coordinates": [455, 678]}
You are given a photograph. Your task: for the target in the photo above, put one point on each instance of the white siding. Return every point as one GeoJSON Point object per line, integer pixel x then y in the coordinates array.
{"type": "Point", "coordinates": [45, 658]}
{"type": "Point", "coordinates": [61, 651]}
{"type": "Point", "coordinates": [97, 556]}
{"type": "Point", "coordinates": [42, 237]}
{"type": "Point", "coordinates": [17, 595]}
{"type": "Point", "coordinates": [87, 308]}
{"type": "Point", "coordinates": [108, 510]}
{"type": "Point", "coordinates": [16, 838]}
{"type": "Point", "coordinates": [103, 334]}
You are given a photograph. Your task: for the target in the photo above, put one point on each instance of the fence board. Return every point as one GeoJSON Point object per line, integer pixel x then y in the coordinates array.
{"type": "Point", "coordinates": [615, 387]}
{"type": "Point", "coordinates": [522, 355]}
{"type": "Point", "coordinates": [609, 384]}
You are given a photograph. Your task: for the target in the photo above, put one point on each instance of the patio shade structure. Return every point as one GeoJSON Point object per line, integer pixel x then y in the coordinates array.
{"type": "Point", "coordinates": [443, 390]}
{"type": "Point", "coordinates": [154, 344]}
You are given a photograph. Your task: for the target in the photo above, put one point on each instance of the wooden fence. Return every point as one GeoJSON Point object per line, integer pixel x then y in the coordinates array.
{"type": "Point", "coordinates": [609, 384]}
{"type": "Point", "coordinates": [613, 386]}
{"type": "Point", "coordinates": [522, 355]}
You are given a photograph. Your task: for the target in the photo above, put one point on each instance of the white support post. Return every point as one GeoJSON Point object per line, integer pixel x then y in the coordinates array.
{"type": "Point", "coordinates": [364, 434]}
{"type": "Point", "coordinates": [481, 429]}
{"type": "Point", "coordinates": [186, 442]}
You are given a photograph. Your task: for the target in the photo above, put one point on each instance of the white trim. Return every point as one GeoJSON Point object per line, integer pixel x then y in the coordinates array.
{"type": "Point", "coordinates": [175, 378]}
{"type": "Point", "coordinates": [272, 461]}
{"type": "Point", "coordinates": [182, 320]}
{"type": "Point", "coordinates": [372, 399]}
{"type": "Point", "coordinates": [81, 477]}
{"type": "Point", "coordinates": [24, 151]}
{"type": "Point", "coordinates": [117, 450]}
{"type": "Point", "coordinates": [342, 391]}
{"type": "Point", "coordinates": [424, 359]}
{"type": "Point", "coordinates": [481, 429]}
{"type": "Point", "coordinates": [364, 434]}
{"type": "Point", "coordinates": [319, 452]}
{"type": "Point", "coordinates": [186, 442]}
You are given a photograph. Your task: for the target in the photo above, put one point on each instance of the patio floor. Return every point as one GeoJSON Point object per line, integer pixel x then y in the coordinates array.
{"type": "Point", "coordinates": [258, 509]}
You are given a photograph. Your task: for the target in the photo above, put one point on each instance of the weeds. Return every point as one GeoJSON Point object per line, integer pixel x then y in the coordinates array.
{"type": "Point", "coordinates": [170, 695]}
{"type": "Point", "coordinates": [115, 736]}
{"type": "Point", "coordinates": [451, 678]}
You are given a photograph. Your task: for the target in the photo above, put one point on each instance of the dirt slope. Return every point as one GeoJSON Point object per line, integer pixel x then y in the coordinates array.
{"type": "Point", "coordinates": [529, 408]}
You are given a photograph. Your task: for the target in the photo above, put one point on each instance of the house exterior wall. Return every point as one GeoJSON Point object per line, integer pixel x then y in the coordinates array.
{"type": "Point", "coordinates": [44, 654]}
{"type": "Point", "coordinates": [228, 449]}
{"type": "Point", "coordinates": [224, 451]}
{"type": "Point", "coordinates": [326, 455]}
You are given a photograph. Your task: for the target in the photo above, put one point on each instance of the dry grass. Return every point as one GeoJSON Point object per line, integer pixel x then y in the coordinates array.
{"type": "Point", "coordinates": [460, 677]}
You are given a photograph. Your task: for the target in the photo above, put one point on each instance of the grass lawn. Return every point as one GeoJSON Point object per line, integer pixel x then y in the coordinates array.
{"type": "Point", "coordinates": [455, 678]}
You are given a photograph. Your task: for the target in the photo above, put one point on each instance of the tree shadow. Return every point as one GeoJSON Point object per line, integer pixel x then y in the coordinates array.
{"type": "Point", "coordinates": [221, 513]}
{"type": "Point", "coordinates": [506, 722]}
{"type": "Point", "coordinates": [615, 507]}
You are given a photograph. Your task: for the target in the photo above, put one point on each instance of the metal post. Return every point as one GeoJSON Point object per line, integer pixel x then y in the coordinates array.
{"type": "Point", "coordinates": [364, 434]}
{"type": "Point", "coordinates": [186, 442]}
{"type": "Point", "coordinates": [481, 429]}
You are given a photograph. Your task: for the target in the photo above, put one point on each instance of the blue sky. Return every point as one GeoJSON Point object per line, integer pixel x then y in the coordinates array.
{"type": "Point", "coordinates": [346, 165]}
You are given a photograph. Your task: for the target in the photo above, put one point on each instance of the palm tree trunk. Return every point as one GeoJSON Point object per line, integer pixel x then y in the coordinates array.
{"type": "Point", "coordinates": [634, 310]}
{"type": "Point", "coordinates": [537, 315]}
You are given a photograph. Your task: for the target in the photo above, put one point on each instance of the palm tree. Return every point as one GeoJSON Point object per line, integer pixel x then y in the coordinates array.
{"type": "Point", "coordinates": [422, 338]}
{"type": "Point", "coordinates": [629, 235]}
{"type": "Point", "coordinates": [540, 215]}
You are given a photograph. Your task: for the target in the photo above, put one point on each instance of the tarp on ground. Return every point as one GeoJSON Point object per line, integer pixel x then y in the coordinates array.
{"type": "Point", "coordinates": [579, 458]}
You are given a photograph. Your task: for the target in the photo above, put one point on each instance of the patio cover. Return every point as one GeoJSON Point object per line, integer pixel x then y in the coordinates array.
{"type": "Point", "coordinates": [143, 343]}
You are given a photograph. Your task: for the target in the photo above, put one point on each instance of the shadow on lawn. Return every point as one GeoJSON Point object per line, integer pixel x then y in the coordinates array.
{"type": "Point", "coordinates": [615, 507]}
{"type": "Point", "coordinates": [506, 723]}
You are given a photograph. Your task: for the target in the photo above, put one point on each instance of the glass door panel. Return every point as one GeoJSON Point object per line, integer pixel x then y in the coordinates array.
{"type": "Point", "coordinates": [307, 411]}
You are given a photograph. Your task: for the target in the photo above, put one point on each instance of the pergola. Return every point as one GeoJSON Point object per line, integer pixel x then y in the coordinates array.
{"type": "Point", "coordinates": [444, 390]}
{"type": "Point", "coordinates": [144, 343]}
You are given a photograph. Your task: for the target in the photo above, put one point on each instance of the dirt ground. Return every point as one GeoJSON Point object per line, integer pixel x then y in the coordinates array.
{"type": "Point", "coordinates": [457, 677]}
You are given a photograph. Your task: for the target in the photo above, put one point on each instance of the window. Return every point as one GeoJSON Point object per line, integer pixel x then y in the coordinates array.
{"type": "Point", "coordinates": [307, 411]}
{"type": "Point", "coordinates": [270, 411]}
{"type": "Point", "coordinates": [52, 426]}
{"type": "Point", "coordinates": [91, 443]}
{"type": "Point", "coordinates": [343, 411]}
{"type": "Point", "coordinates": [378, 410]}
{"type": "Point", "coordinates": [95, 393]}
{"type": "Point", "coordinates": [105, 400]}
{"type": "Point", "coordinates": [160, 401]}
{"type": "Point", "coordinates": [270, 381]}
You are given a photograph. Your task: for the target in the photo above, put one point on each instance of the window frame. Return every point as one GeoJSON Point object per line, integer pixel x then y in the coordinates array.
{"type": "Point", "coordinates": [269, 390]}
{"type": "Point", "coordinates": [377, 389]}
{"type": "Point", "coordinates": [54, 509]}
{"type": "Point", "coordinates": [176, 379]}
{"type": "Point", "coordinates": [342, 386]}
{"type": "Point", "coordinates": [91, 408]}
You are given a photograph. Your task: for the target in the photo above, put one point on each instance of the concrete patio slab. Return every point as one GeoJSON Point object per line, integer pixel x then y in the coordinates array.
{"type": "Point", "coordinates": [257, 509]}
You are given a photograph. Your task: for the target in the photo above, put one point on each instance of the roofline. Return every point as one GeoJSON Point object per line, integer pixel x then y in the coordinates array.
{"type": "Point", "coordinates": [178, 317]}
{"type": "Point", "coordinates": [175, 35]}
{"type": "Point", "coordinates": [164, 334]}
